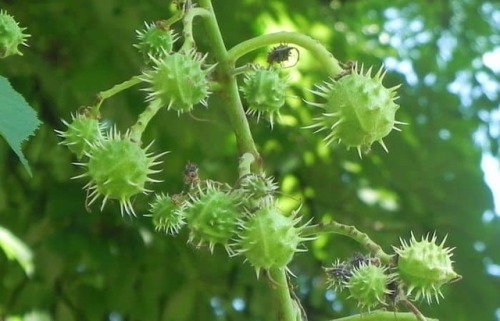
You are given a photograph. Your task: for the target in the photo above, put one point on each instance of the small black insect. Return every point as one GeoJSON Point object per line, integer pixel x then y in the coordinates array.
{"type": "Point", "coordinates": [281, 54]}
{"type": "Point", "coordinates": [191, 174]}
{"type": "Point", "coordinates": [357, 260]}
{"type": "Point", "coordinates": [347, 69]}
{"type": "Point", "coordinates": [395, 293]}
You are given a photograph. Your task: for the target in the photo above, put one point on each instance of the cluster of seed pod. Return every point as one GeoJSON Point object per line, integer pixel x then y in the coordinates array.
{"type": "Point", "coordinates": [419, 271]}
{"type": "Point", "coordinates": [176, 81]}
{"type": "Point", "coordinates": [244, 218]}
{"type": "Point", "coordinates": [117, 166]}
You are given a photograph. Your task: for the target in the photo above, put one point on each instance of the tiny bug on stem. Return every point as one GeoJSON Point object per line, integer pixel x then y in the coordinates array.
{"type": "Point", "coordinates": [282, 53]}
{"type": "Point", "coordinates": [191, 174]}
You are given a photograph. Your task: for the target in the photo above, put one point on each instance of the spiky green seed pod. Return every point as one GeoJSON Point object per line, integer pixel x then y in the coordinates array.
{"type": "Point", "coordinates": [81, 133]}
{"type": "Point", "coordinates": [156, 41]}
{"type": "Point", "coordinates": [424, 266]}
{"type": "Point", "coordinates": [11, 35]}
{"type": "Point", "coordinates": [359, 110]}
{"type": "Point", "coordinates": [338, 275]}
{"type": "Point", "coordinates": [178, 81]}
{"type": "Point", "coordinates": [368, 285]}
{"type": "Point", "coordinates": [211, 216]}
{"type": "Point", "coordinates": [166, 214]}
{"type": "Point", "coordinates": [118, 168]}
{"type": "Point", "coordinates": [268, 239]}
{"type": "Point", "coordinates": [257, 191]}
{"type": "Point", "coordinates": [265, 92]}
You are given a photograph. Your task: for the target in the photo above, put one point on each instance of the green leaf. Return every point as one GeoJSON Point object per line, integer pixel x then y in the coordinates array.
{"type": "Point", "coordinates": [15, 249]}
{"type": "Point", "coordinates": [18, 120]}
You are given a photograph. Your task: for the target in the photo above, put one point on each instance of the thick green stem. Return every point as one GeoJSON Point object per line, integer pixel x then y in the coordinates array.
{"type": "Point", "coordinates": [324, 57]}
{"type": "Point", "coordinates": [245, 164]}
{"type": "Point", "coordinates": [288, 311]}
{"type": "Point", "coordinates": [352, 232]}
{"type": "Point", "coordinates": [229, 88]}
{"type": "Point", "coordinates": [230, 95]}
{"type": "Point", "coordinates": [382, 316]}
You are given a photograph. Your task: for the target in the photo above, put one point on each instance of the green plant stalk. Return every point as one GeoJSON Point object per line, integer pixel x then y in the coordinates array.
{"type": "Point", "coordinates": [142, 121]}
{"type": "Point", "coordinates": [103, 95]}
{"type": "Point", "coordinates": [176, 17]}
{"type": "Point", "coordinates": [288, 311]}
{"type": "Point", "coordinates": [416, 312]}
{"type": "Point", "coordinates": [243, 69]}
{"type": "Point", "coordinates": [229, 88]}
{"type": "Point", "coordinates": [187, 31]}
{"type": "Point", "coordinates": [244, 166]}
{"type": "Point", "coordinates": [382, 316]}
{"type": "Point", "coordinates": [324, 57]}
{"type": "Point", "coordinates": [352, 232]}
{"type": "Point", "coordinates": [230, 95]}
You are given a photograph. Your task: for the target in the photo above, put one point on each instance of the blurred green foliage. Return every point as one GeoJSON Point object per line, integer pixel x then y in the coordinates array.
{"type": "Point", "coordinates": [100, 266]}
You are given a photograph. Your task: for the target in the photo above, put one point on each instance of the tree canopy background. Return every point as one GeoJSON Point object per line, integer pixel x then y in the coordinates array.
{"type": "Point", "coordinates": [101, 266]}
